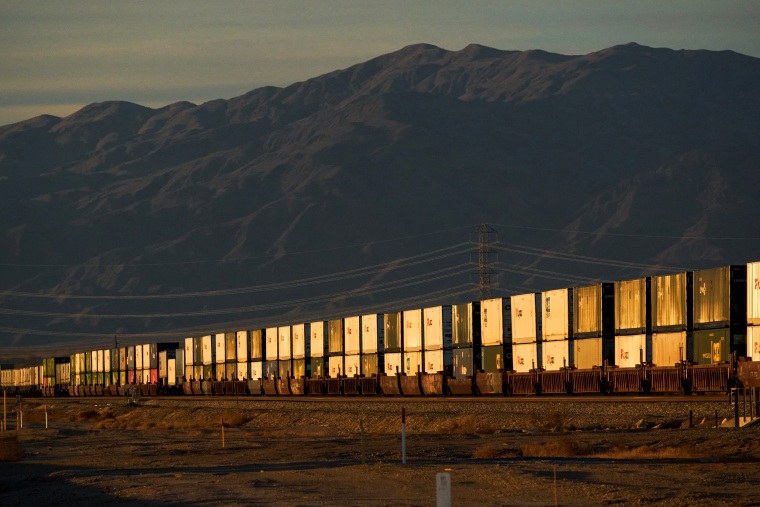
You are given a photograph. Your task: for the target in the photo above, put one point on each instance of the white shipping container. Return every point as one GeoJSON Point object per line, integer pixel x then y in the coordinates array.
{"type": "Point", "coordinates": [352, 333]}
{"type": "Point", "coordinates": [107, 360]}
{"type": "Point", "coordinates": [242, 340]}
{"type": "Point", "coordinates": [301, 334]}
{"type": "Point", "coordinates": [285, 343]}
{"type": "Point", "coordinates": [272, 350]}
{"type": "Point", "coordinates": [668, 348]}
{"type": "Point", "coordinates": [138, 357]}
{"type": "Point", "coordinates": [753, 294]}
{"type": "Point", "coordinates": [555, 354]}
{"type": "Point", "coordinates": [317, 338]}
{"type": "Point", "coordinates": [412, 362]}
{"type": "Point", "coordinates": [412, 322]}
{"type": "Point", "coordinates": [146, 376]}
{"type": "Point", "coordinates": [147, 363]}
{"type": "Point", "coordinates": [163, 363]}
{"type": "Point", "coordinates": [630, 350]}
{"type": "Point", "coordinates": [171, 372]}
{"type": "Point", "coordinates": [556, 314]}
{"type": "Point", "coordinates": [437, 329]}
{"type": "Point", "coordinates": [353, 365]}
{"type": "Point", "coordinates": [256, 369]}
{"type": "Point", "coordinates": [588, 353]}
{"type": "Point", "coordinates": [220, 348]}
{"type": "Point", "coordinates": [372, 333]}
{"type": "Point", "coordinates": [393, 363]}
{"type": "Point", "coordinates": [188, 352]}
{"type": "Point", "coordinates": [207, 350]}
{"type": "Point", "coordinates": [243, 371]}
{"type": "Point", "coordinates": [433, 361]}
{"type": "Point", "coordinates": [525, 357]}
{"type": "Point", "coordinates": [495, 321]}
{"type": "Point", "coordinates": [335, 366]}
{"type": "Point", "coordinates": [753, 343]}
{"type": "Point", "coordinates": [524, 319]}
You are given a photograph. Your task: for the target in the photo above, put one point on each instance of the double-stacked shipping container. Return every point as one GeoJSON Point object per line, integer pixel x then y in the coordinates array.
{"type": "Point", "coordinates": [556, 328]}
{"type": "Point", "coordinates": [372, 358]}
{"type": "Point", "coordinates": [593, 326]}
{"type": "Point", "coordinates": [753, 311]}
{"type": "Point", "coordinates": [526, 331]}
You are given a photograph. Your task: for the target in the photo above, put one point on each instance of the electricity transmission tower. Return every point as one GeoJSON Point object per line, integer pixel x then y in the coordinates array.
{"type": "Point", "coordinates": [486, 236]}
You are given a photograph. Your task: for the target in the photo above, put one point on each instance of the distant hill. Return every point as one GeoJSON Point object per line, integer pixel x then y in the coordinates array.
{"type": "Point", "coordinates": [628, 161]}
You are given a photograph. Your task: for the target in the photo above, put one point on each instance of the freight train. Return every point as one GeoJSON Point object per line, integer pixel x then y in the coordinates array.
{"type": "Point", "coordinates": [688, 332]}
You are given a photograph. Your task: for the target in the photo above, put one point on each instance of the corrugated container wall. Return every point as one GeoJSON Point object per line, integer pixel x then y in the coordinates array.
{"type": "Point", "coordinates": [242, 342]}
{"type": "Point", "coordinates": [286, 342]}
{"type": "Point", "coordinates": [393, 363]}
{"type": "Point", "coordinates": [394, 333]}
{"type": "Point", "coordinates": [632, 306]}
{"type": "Point", "coordinates": [465, 330]}
{"type": "Point", "coordinates": [413, 362]}
{"type": "Point", "coordinates": [258, 340]}
{"type": "Point", "coordinates": [669, 348]}
{"type": "Point", "coordinates": [753, 343]}
{"type": "Point", "coordinates": [352, 332]}
{"type": "Point", "coordinates": [208, 351]}
{"type": "Point", "coordinates": [301, 340]}
{"type": "Point", "coordinates": [437, 329]}
{"type": "Point", "coordinates": [336, 366]}
{"type": "Point", "coordinates": [335, 341]}
{"type": "Point", "coordinates": [593, 310]}
{"type": "Point", "coordinates": [711, 346]}
{"type": "Point", "coordinates": [526, 326]}
{"type": "Point", "coordinates": [318, 338]}
{"type": "Point", "coordinates": [753, 294]}
{"type": "Point", "coordinates": [556, 312]}
{"type": "Point", "coordinates": [230, 347]}
{"type": "Point", "coordinates": [555, 354]}
{"type": "Point", "coordinates": [271, 345]}
{"type": "Point", "coordinates": [412, 330]}
{"type": "Point", "coordinates": [525, 356]}
{"type": "Point", "coordinates": [220, 348]}
{"type": "Point", "coordinates": [631, 350]}
{"type": "Point", "coordinates": [372, 333]}
{"type": "Point", "coordinates": [139, 357]}
{"type": "Point", "coordinates": [495, 322]}
{"type": "Point", "coordinates": [720, 296]}
{"type": "Point", "coordinates": [671, 302]}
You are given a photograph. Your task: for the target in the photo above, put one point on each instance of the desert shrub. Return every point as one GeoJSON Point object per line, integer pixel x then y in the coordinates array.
{"type": "Point", "coordinates": [10, 450]}
{"type": "Point", "coordinates": [88, 415]}
{"type": "Point", "coordinates": [487, 451]}
{"type": "Point", "coordinates": [235, 419]}
{"type": "Point", "coordinates": [648, 452]}
{"type": "Point", "coordinates": [553, 421]}
{"type": "Point", "coordinates": [556, 448]}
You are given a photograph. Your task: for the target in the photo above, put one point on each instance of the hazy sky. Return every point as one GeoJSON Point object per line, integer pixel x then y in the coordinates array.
{"type": "Point", "coordinates": [57, 56]}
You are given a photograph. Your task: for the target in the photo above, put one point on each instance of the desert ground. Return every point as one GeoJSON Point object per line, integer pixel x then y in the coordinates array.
{"type": "Point", "coordinates": [299, 452]}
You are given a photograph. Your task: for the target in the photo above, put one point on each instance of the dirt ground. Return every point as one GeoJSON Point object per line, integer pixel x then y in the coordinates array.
{"type": "Point", "coordinates": [302, 453]}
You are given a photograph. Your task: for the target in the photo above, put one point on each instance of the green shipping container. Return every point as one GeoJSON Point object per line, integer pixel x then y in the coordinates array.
{"type": "Point", "coordinates": [318, 367]}
{"type": "Point", "coordinates": [493, 359]}
{"type": "Point", "coordinates": [711, 346]}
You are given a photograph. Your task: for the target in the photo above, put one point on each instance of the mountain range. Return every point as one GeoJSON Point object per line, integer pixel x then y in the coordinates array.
{"type": "Point", "coordinates": [363, 190]}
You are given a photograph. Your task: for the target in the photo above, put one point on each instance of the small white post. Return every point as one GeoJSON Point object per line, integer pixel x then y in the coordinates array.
{"type": "Point", "coordinates": [443, 489]}
{"type": "Point", "coordinates": [403, 436]}
{"type": "Point", "coordinates": [46, 424]}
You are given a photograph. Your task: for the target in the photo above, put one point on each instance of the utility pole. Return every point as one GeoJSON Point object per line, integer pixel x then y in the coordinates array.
{"type": "Point", "coordinates": [486, 237]}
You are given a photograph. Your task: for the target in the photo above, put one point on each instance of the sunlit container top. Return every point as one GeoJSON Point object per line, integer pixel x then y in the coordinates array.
{"type": "Point", "coordinates": [352, 333]}
{"type": "Point", "coordinates": [753, 293]}
{"type": "Point", "coordinates": [301, 339]}
{"type": "Point", "coordinates": [150, 356]}
{"type": "Point", "coordinates": [272, 342]}
{"type": "Point", "coordinates": [318, 336]}
{"type": "Point", "coordinates": [592, 310]}
{"type": "Point", "coordinates": [188, 351]}
{"type": "Point", "coordinates": [720, 296]}
{"type": "Point", "coordinates": [258, 341]}
{"type": "Point", "coordinates": [394, 332]}
{"type": "Point", "coordinates": [412, 330]}
{"type": "Point", "coordinates": [335, 342]}
{"type": "Point", "coordinates": [208, 351]}
{"type": "Point", "coordinates": [139, 356]}
{"type": "Point", "coordinates": [495, 321]}
{"type": "Point", "coordinates": [220, 348]}
{"type": "Point", "coordinates": [372, 333]}
{"type": "Point", "coordinates": [285, 342]}
{"type": "Point", "coordinates": [631, 308]}
{"type": "Point", "coordinates": [230, 347]}
{"type": "Point", "coordinates": [671, 295]}
{"type": "Point", "coordinates": [465, 323]}
{"type": "Point", "coordinates": [242, 341]}
{"type": "Point", "coordinates": [437, 330]}
{"type": "Point", "coordinates": [525, 325]}
{"type": "Point", "coordinates": [556, 314]}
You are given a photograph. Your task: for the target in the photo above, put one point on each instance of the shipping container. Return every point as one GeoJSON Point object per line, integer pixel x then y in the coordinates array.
{"type": "Point", "coordinates": [525, 356]}
{"type": "Point", "coordinates": [436, 361]}
{"type": "Point", "coordinates": [352, 333]}
{"type": "Point", "coordinates": [243, 371]}
{"type": "Point", "coordinates": [149, 352]}
{"type": "Point", "coordinates": [209, 370]}
{"type": "Point", "coordinates": [107, 361]}
{"type": "Point", "coordinates": [335, 341]}
{"type": "Point", "coordinates": [495, 322]}
{"type": "Point", "coordinates": [270, 369]}
{"type": "Point", "coordinates": [394, 333]}
{"type": "Point", "coordinates": [258, 344]}
{"type": "Point", "coordinates": [753, 293]}
{"type": "Point", "coordinates": [318, 367]}
{"type": "Point", "coordinates": [671, 297]}
{"type": "Point", "coordinates": [285, 344]}
{"type": "Point", "coordinates": [372, 364]}
{"type": "Point", "coordinates": [272, 342]}
{"type": "Point", "coordinates": [208, 351]}
{"type": "Point", "coordinates": [753, 343]}
{"type": "Point", "coordinates": [633, 306]}
{"type": "Point", "coordinates": [163, 363]}
{"type": "Point", "coordinates": [373, 333]}
{"type": "Point", "coordinates": [318, 341]}
{"type": "Point", "coordinates": [220, 348]}
{"type": "Point", "coordinates": [465, 330]}
{"type": "Point", "coordinates": [412, 320]}
{"type": "Point", "coordinates": [198, 372]}
{"type": "Point", "coordinates": [230, 371]}
{"type": "Point", "coordinates": [139, 357]}
{"type": "Point", "coordinates": [242, 346]}
{"type": "Point", "coordinates": [230, 348]}
{"type": "Point", "coordinates": [594, 311]}
{"type": "Point", "coordinates": [464, 360]}
{"type": "Point", "coordinates": [555, 354]}
{"type": "Point", "coordinates": [353, 365]}
{"type": "Point", "coordinates": [300, 367]}
{"type": "Point", "coordinates": [632, 350]}
{"type": "Point", "coordinates": [592, 352]}
{"type": "Point", "coordinates": [557, 314]}
{"type": "Point", "coordinates": [301, 341]}
{"type": "Point", "coordinates": [669, 348]}
{"type": "Point", "coordinates": [257, 370]}
{"type": "Point", "coordinates": [526, 321]}
{"type": "Point", "coordinates": [335, 366]}
{"type": "Point", "coordinates": [720, 297]}
{"type": "Point", "coordinates": [285, 368]}
{"type": "Point", "coordinates": [198, 351]}
{"type": "Point", "coordinates": [172, 379]}
{"type": "Point", "coordinates": [130, 358]}
{"type": "Point", "coordinates": [393, 363]}
{"type": "Point", "coordinates": [88, 362]}
{"type": "Point", "coordinates": [493, 359]}
{"type": "Point", "coordinates": [711, 346]}
{"type": "Point", "coordinates": [438, 328]}
{"type": "Point", "coordinates": [188, 351]}
{"type": "Point", "coordinates": [146, 379]}
{"type": "Point", "coordinates": [413, 362]}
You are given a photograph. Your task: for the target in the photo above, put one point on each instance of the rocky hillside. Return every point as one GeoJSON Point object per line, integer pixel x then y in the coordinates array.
{"type": "Point", "coordinates": [609, 165]}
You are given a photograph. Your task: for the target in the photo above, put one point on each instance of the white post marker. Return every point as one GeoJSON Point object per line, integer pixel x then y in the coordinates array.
{"type": "Point", "coordinates": [403, 436]}
{"type": "Point", "coordinates": [46, 426]}
{"type": "Point", "coordinates": [443, 489]}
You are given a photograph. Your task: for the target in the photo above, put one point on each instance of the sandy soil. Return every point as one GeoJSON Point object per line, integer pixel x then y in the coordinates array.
{"type": "Point", "coordinates": [301, 453]}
